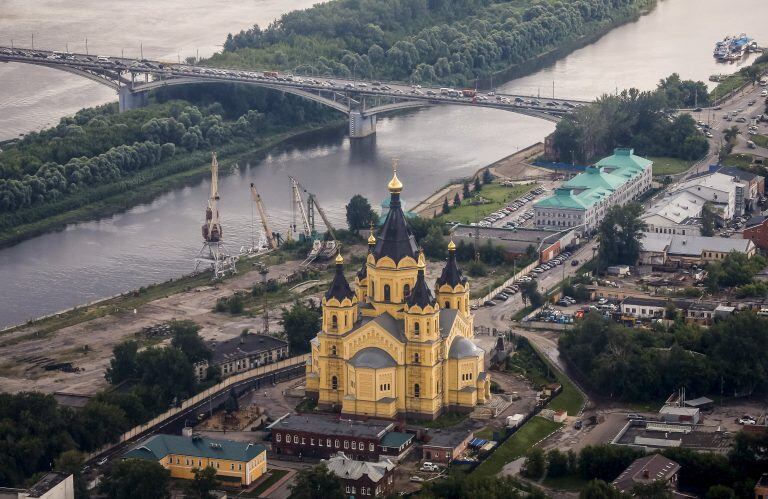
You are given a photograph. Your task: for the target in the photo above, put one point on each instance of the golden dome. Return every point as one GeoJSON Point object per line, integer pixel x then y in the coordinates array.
{"type": "Point", "coordinates": [339, 259]}
{"type": "Point", "coordinates": [451, 246]}
{"type": "Point", "coordinates": [421, 263]}
{"type": "Point", "coordinates": [371, 239]}
{"type": "Point", "coordinates": [395, 186]}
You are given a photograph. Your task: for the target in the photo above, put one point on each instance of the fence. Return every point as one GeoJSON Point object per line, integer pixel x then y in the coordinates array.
{"type": "Point", "coordinates": [479, 301]}
{"type": "Point", "coordinates": [196, 399]}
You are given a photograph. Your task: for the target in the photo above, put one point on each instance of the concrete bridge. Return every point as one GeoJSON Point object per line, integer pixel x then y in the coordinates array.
{"type": "Point", "coordinates": [361, 100]}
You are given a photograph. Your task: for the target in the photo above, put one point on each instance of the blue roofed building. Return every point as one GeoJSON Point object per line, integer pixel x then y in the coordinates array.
{"type": "Point", "coordinates": [583, 200]}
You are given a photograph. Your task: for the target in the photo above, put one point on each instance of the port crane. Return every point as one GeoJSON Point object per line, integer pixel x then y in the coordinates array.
{"type": "Point", "coordinates": [322, 249]}
{"type": "Point", "coordinates": [269, 240]}
{"type": "Point", "coordinates": [214, 254]}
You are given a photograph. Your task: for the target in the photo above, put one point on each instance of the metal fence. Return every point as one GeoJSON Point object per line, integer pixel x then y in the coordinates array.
{"type": "Point", "coordinates": [479, 301]}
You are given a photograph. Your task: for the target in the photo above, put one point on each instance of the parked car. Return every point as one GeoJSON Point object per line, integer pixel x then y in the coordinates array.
{"type": "Point", "coordinates": [574, 263]}
{"type": "Point", "coordinates": [427, 466]}
{"type": "Point", "coordinates": [746, 419]}
{"type": "Point", "coordinates": [416, 479]}
{"type": "Point", "coordinates": [102, 461]}
{"type": "Point", "coordinates": [577, 425]}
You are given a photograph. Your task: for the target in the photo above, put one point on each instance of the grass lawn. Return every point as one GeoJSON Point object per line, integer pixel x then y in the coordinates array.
{"type": "Point", "coordinates": [517, 445]}
{"type": "Point", "coordinates": [569, 399]}
{"type": "Point", "coordinates": [566, 482]}
{"type": "Point", "coordinates": [486, 433]}
{"type": "Point", "coordinates": [738, 160]}
{"type": "Point", "coordinates": [760, 140]}
{"type": "Point", "coordinates": [669, 166]}
{"type": "Point", "coordinates": [274, 476]}
{"type": "Point", "coordinates": [497, 194]}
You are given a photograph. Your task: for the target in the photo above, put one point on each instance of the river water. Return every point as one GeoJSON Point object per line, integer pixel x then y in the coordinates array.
{"type": "Point", "coordinates": [159, 240]}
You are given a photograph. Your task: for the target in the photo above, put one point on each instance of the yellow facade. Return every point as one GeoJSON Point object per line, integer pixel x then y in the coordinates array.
{"type": "Point", "coordinates": [184, 467]}
{"type": "Point", "coordinates": [393, 347]}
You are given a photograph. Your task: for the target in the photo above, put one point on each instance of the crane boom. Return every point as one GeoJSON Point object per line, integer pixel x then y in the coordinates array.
{"type": "Point", "coordinates": [325, 218]}
{"type": "Point", "coordinates": [264, 219]}
{"type": "Point", "coordinates": [297, 201]}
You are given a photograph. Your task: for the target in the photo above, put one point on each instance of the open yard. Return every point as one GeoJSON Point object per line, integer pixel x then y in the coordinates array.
{"type": "Point", "coordinates": [760, 140]}
{"type": "Point", "coordinates": [517, 445]}
{"type": "Point", "coordinates": [663, 166]}
{"type": "Point", "coordinates": [498, 195]}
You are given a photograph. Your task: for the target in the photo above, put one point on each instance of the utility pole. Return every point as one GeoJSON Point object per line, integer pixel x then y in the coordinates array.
{"type": "Point", "coordinates": [33, 40]}
{"type": "Point", "coordinates": [553, 89]}
{"type": "Point", "coordinates": [263, 271]}
{"type": "Point", "coordinates": [86, 45]}
{"type": "Point", "coordinates": [141, 50]}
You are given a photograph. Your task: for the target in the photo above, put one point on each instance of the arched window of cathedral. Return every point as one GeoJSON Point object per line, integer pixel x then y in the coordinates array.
{"type": "Point", "coordinates": [416, 390]}
{"type": "Point", "coordinates": [333, 350]}
{"type": "Point", "coordinates": [387, 293]}
{"type": "Point", "coordinates": [406, 290]}
{"type": "Point", "coordinates": [447, 305]}
{"type": "Point", "coordinates": [345, 320]}
{"type": "Point", "coordinates": [334, 383]}
{"type": "Point", "coordinates": [334, 322]}
{"type": "Point", "coordinates": [416, 358]}
{"type": "Point", "coordinates": [416, 329]}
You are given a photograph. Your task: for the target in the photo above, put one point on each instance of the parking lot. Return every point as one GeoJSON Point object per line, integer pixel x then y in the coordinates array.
{"type": "Point", "coordinates": [517, 213]}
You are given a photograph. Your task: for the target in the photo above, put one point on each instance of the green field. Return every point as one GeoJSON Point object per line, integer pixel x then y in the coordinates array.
{"type": "Point", "coordinates": [738, 160]}
{"type": "Point", "coordinates": [517, 445]}
{"type": "Point", "coordinates": [760, 140]}
{"type": "Point", "coordinates": [669, 166]}
{"type": "Point", "coordinates": [569, 399]}
{"type": "Point", "coordinates": [498, 195]}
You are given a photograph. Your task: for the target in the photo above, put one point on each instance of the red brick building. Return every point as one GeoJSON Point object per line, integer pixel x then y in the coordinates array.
{"type": "Point", "coordinates": [756, 231]}
{"type": "Point", "coordinates": [363, 478]}
{"type": "Point", "coordinates": [445, 446]}
{"type": "Point", "coordinates": [311, 435]}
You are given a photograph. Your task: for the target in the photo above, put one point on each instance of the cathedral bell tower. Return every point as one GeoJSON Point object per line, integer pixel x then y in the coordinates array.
{"type": "Point", "coordinates": [451, 288]}
{"type": "Point", "coordinates": [361, 279]}
{"type": "Point", "coordinates": [339, 303]}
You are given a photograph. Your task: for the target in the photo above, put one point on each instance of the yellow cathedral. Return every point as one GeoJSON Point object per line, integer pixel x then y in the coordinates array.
{"type": "Point", "coordinates": [392, 347]}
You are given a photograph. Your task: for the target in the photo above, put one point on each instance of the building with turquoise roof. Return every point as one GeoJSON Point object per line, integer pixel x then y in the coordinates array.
{"type": "Point", "coordinates": [583, 200]}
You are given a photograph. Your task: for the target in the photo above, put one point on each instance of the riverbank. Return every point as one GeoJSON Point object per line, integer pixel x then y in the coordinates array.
{"type": "Point", "coordinates": [145, 186]}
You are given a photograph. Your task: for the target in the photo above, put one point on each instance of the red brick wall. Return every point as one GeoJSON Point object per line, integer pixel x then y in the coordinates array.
{"type": "Point", "coordinates": [758, 235]}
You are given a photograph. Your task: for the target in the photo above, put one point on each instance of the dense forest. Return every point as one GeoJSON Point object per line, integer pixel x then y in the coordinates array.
{"type": "Point", "coordinates": [77, 162]}
{"type": "Point", "coordinates": [447, 41]}
{"type": "Point", "coordinates": [635, 119]}
{"type": "Point", "coordinates": [636, 365]}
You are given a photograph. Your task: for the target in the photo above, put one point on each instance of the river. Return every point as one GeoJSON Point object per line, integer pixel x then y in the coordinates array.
{"type": "Point", "coordinates": [159, 240]}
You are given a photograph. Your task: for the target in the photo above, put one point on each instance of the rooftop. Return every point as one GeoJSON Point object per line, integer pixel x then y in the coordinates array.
{"type": "Point", "coordinates": [243, 346]}
{"type": "Point", "coordinates": [644, 302]}
{"type": "Point", "coordinates": [679, 411]}
{"type": "Point", "coordinates": [328, 425]}
{"type": "Point", "coordinates": [677, 208]}
{"type": "Point", "coordinates": [448, 439]}
{"type": "Point", "coordinates": [346, 468]}
{"type": "Point", "coordinates": [689, 245]}
{"type": "Point", "coordinates": [395, 439]}
{"type": "Point", "coordinates": [46, 483]}
{"type": "Point", "coordinates": [653, 435]}
{"type": "Point", "coordinates": [645, 470]}
{"type": "Point", "coordinates": [157, 447]}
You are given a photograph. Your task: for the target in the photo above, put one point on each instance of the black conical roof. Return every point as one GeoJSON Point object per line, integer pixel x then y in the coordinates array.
{"type": "Point", "coordinates": [421, 295]}
{"type": "Point", "coordinates": [339, 286]}
{"type": "Point", "coordinates": [395, 239]}
{"type": "Point", "coordinates": [451, 274]}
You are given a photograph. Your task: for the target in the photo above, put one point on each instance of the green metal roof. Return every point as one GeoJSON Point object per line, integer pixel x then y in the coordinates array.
{"type": "Point", "coordinates": [157, 447]}
{"type": "Point", "coordinates": [395, 439]}
{"type": "Point", "coordinates": [596, 183]}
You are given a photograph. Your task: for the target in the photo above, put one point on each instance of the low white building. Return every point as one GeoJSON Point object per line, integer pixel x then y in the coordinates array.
{"type": "Point", "coordinates": [724, 192]}
{"type": "Point", "coordinates": [678, 213]}
{"type": "Point", "coordinates": [643, 308]}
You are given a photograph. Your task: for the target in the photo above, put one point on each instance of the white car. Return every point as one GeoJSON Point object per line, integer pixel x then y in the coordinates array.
{"type": "Point", "coordinates": [747, 420]}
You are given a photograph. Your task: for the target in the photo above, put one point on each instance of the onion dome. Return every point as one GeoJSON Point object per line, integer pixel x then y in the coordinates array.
{"type": "Point", "coordinates": [395, 239]}
{"type": "Point", "coordinates": [421, 295]}
{"type": "Point", "coordinates": [363, 272]}
{"type": "Point", "coordinates": [339, 286]}
{"type": "Point", "coordinates": [451, 274]}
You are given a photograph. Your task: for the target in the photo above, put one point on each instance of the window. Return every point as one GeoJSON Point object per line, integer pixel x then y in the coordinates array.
{"type": "Point", "coordinates": [232, 467]}
{"type": "Point", "coordinates": [416, 390]}
{"type": "Point", "coordinates": [311, 441]}
{"type": "Point", "coordinates": [333, 350]}
{"type": "Point", "coordinates": [447, 305]}
{"type": "Point", "coordinates": [320, 442]}
{"type": "Point", "coordinates": [416, 358]}
{"type": "Point", "coordinates": [334, 321]}
{"type": "Point", "coordinates": [337, 444]}
{"type": "Point", "coordinates": [303, 440]}
{"type": "Point", "coordinates": [288, 438]}
{"type": "Point", "coordinates": [387, 293]}
{"type": "Point", "coordinates": [328, 442]}
{"type": "Point", "coordinates": [278, 437]}
{"type": "Point", "coordinates": [406, 290]}
{"type": "Point", "coordinates": [354, 445]}
{"type": "Point", "coordinates": [346, 444]}
{"type": "Point", "coordinates": [186, 462]}
{"type": "Point", "coordinates": [170, 460]}
{"type": "Point", "coordinates": [416, 329]}
{"type": "Point", "coordinates": [334, 383]}
{"type": "Point", "coordinates": [370, 447]}
{"type": "Point", "coordinates": [239, 467]}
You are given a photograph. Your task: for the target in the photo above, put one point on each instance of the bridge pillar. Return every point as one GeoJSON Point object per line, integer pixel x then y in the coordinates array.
{"type": "Point", "coordinates": [360, 125]}
{"type": "Point", "coordinates": [131, 100]}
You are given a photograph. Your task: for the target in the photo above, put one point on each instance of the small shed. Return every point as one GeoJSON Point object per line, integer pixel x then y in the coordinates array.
{"type": "Point", "coordinates": [701, 403]}
{"type": "Point", "coordinates": [678, 414]}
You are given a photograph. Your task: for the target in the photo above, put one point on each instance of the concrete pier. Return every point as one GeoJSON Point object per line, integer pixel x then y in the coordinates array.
{"type": "Point", "coordinates": [361, 125]}
{"type": "Point", "coordinates": [131, 100]}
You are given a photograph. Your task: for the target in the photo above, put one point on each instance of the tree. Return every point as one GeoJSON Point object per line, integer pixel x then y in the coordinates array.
{"type": "Point", "coordinates": [301, 323]}
{"type": "Point", "coordinates": [530, 293]}
{"type": "Point", "coordinates": [360, 215]}
{"type": "Point", "coordinates": [478, 187]}
{"type": "Point", "coordinates": [122, 365]}
{"type": "Point", "coordinates": [203, 483]}
{"type": "Point", "coordinates": [456, 200]}
{"type": "Point", "coordinates": [434, 244]}
{"type": "Point", "coordinates": [653, 490]}
{"type": "Point", "coordinates": [71, 462]}
{"type": "Point", "coordinates": [136, 478]}
{"type": "Point", "coordinates": [557, 463]}
{"type": "Point", "coordinates": [487, 177]}
{"type": "Point", "coordinates": [720, 492]}
{"type": "Point", "coordinates": [231, 404]}
{"type": "Point", "coordinates": [707, 220]}
{"type": "Point", "coordinates": [446, 206]}
{"type": "Point", "coordinates": [598, 489]}
{"type": "Point", "coordinates": [185, 336]}
{"type": "Point", "coordinates": [730, 134]}
{"type": "Point", "coordinates": [620, 234]}
{"type": "Point", "coordinates": [317, 483]}
{"type": "Point", "coordinates": [465, 193]}
{"type": "Point", "coordinates": [535, 464]}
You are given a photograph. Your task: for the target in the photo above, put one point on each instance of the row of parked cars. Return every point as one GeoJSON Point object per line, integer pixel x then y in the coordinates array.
{"type": "Point", "coordinates": [512, 208]}
{"type": "Point", "coordinates": [514, 288]}
{"type": "Point", "coordinates": [558, 260]}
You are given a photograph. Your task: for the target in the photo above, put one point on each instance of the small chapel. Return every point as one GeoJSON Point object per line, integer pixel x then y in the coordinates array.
{"type": "Point", "coordinates": [393, 347]}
